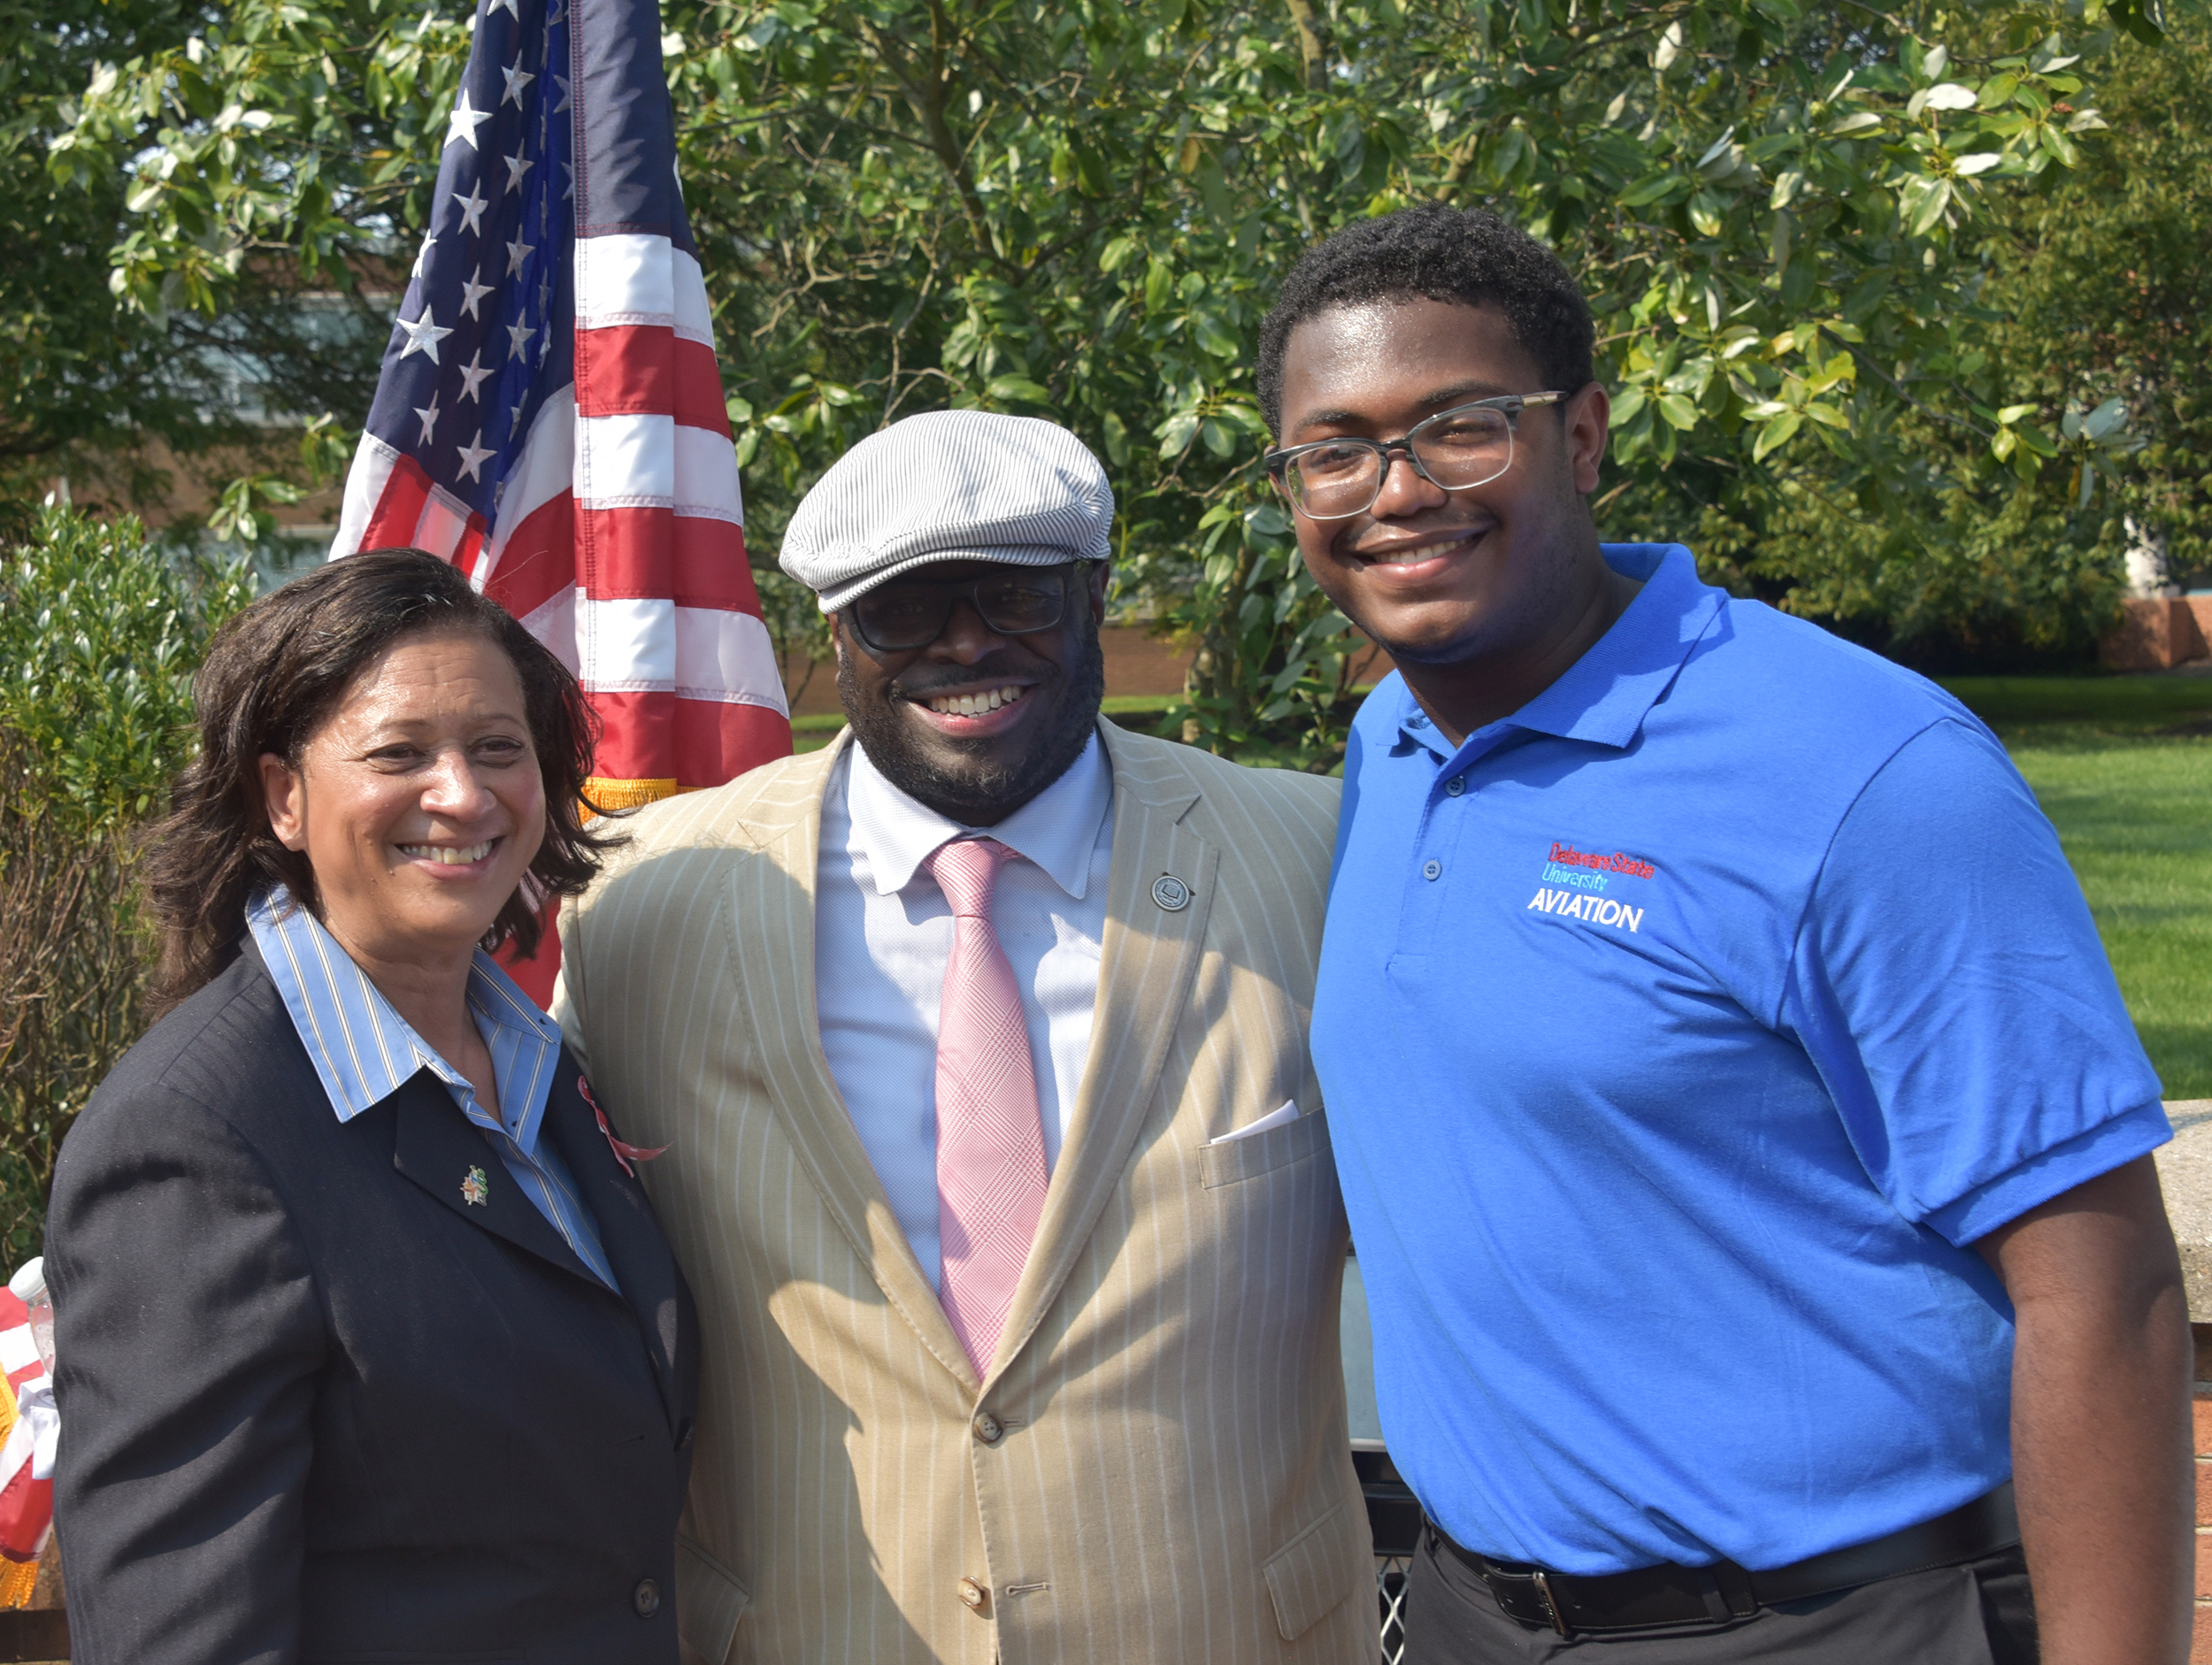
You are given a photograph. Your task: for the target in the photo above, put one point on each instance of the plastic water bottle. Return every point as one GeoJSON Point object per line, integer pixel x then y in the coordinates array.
{"type": "Point", "coordinates": [29, 1285]}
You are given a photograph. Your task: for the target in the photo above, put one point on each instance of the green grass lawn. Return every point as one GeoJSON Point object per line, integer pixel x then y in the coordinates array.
{"type": "Point", "coordinates": [2134, 813]}
{"type": "Point", "coordinates": [2124, 768]}
{"type": "Point", "coordinates": [811, 734]}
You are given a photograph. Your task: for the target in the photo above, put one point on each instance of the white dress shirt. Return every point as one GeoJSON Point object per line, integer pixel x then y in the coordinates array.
{"type": "Point", "coordinates": [883, 936]}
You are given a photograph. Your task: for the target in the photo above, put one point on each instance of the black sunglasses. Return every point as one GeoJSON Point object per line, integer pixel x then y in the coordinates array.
{"type": "Point", "coordinates": [906, 613]}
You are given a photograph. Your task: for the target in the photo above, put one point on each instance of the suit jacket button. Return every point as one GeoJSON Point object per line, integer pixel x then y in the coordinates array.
{"type": "Point", "coordinates": [988, 1428]}
{"type": "Point", "coordinates": [646, 1598]}
{"type": "Point", "coordinates": [973, 1594]}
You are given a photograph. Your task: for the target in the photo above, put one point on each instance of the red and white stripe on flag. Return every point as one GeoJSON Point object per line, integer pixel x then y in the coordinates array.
{"type": "Point", "coordinates": [621, 539]}
{"type": "Point", "coordinates": [662, 618]}
{"type": "Point", "coordinates": [554, 424]}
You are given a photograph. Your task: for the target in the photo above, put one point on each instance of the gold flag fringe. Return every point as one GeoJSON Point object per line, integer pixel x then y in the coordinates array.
{"type": "Point", "coordinates": [603, 794]}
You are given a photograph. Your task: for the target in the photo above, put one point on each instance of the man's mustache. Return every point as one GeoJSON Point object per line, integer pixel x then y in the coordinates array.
{"type": "Point", "coordinates": [901, 688]}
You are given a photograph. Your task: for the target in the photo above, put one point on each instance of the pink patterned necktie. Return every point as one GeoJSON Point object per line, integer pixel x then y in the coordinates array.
{"type": "Point", "coordinates": [990, 1143]}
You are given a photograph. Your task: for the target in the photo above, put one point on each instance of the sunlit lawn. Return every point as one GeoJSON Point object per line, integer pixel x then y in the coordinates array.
{"type": "Point", "coordinates": [2131, 798]}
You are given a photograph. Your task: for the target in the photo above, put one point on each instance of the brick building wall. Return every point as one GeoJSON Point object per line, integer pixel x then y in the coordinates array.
{"type": "Point", "coordinates": [2159, 634]}
{"type": "Point", "coordinates": [2202, 1647]}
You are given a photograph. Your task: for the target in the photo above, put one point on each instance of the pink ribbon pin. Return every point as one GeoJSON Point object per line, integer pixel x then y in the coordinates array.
{"type": "Point", "coordinates": [624, 1154]}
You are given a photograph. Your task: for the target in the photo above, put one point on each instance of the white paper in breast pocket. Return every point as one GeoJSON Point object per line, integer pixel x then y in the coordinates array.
{"type": "Point", "coordinates": [1281, 1117]}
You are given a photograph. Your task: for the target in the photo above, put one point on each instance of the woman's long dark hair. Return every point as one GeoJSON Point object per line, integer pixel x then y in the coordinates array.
{"type": "Point", "coordinates": [273, 676]}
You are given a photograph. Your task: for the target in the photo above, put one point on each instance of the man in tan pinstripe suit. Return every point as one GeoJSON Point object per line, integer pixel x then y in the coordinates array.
{"type": "Point", "coordinates": [1125, 1439]}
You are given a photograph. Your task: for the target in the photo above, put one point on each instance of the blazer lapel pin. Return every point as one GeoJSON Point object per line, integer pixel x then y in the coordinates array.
{"type": "Point", "coordinates": [1171, 893]}
{"type": "Point", "coordinates": [474, 1191]}
{"type": "Point", "coordinates": [624, 1154]}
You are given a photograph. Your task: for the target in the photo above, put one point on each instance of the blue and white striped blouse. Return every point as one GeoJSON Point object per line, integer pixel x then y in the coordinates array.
{"type": "Point", "coordinates": [365, 1052]}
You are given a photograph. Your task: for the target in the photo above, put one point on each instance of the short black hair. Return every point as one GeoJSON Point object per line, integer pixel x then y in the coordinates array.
{"type": "Point", "coordinates": [1437, 253]}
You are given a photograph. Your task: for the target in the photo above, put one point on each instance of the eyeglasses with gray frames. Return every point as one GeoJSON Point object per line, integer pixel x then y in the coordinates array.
{"type": "Point", "coordinates": [1467, 445]}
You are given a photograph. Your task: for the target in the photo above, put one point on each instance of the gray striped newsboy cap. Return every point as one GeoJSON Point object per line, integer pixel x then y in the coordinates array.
{"type": "Point", "coordinates": [948, 485]}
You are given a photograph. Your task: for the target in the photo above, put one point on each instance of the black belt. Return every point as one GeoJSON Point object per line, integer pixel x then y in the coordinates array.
{"type": "Point", "coordinates": [1650, 1596]}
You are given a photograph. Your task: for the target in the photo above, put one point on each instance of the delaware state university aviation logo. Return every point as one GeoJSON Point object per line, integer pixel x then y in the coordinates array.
{"type": "Point", "coordinates": [1575, 883]}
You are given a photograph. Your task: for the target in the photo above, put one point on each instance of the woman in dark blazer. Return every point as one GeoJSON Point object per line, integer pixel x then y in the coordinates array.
{"type": "Point", "coordinates": [368, 1345]}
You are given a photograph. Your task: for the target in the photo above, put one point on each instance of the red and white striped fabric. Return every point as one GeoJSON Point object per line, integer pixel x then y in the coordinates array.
{"type": "Point", "coordinates": [551, 418]}
{"type": "Point", "coordinates": [27, 1458]}
{"type": "Point", "coordinates": [620, 541]}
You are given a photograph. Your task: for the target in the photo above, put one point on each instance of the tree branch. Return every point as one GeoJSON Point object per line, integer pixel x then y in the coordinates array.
{"type": "Point", "coordinates": [925, 92]}
{"type": "Point", "coordinates": [1867, 359]}
{"type": "Point", "coordinates": [1315, 46]}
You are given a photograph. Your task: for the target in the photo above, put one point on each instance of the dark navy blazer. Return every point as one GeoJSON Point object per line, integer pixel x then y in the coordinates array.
{"type": "Point", "coordinates": [317, 1406]}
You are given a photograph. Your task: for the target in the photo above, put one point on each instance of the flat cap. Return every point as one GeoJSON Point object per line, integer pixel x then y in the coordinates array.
{"type": "Point", "coordinates": [948, 485]}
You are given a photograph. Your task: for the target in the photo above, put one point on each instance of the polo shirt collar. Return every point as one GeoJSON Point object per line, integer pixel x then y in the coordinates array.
{"type": "Point", "coordinates": [1605, 695]}
{"type": "Point", "coordinates": [364, 1051]}
{"type": "Point", "coordinates": [1057, 829]}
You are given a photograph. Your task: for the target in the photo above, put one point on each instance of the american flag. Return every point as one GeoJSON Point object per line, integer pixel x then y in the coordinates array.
{"type": "Point", "coordinates": [550, 414]}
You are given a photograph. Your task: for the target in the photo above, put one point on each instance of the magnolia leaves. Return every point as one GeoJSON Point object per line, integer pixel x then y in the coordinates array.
{"type": "Point", "coordinates": [1888, 160]}
{"type": "Point", "coordinates": [1943, 95]}
{"type": "Point", "coordinates": [1218, 424]}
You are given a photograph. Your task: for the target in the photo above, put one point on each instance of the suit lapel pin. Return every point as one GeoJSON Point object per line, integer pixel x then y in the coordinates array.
{"type": "Point", "coordinates": [1171, 893]}
{"type": "Point", "coordinates": [474, 1191]}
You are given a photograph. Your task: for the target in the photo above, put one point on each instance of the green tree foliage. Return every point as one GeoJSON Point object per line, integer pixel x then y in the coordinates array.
{"type": "Point", "coordinates": [2092, 301]}
{"type": "Point", "coordinates": [61, 332]}
{"type": "Point", "coordinates": [89, 373]}
{"type": "Point", "coordinates": [1082, 210]}
{"type": "Point", "coordinates": [98, 638]}
{"type": "Point", "coordinates": [2106, 290]}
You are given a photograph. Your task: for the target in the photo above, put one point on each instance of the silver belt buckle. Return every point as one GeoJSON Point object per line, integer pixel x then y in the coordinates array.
{"type": "Point", "coordinates": [1543, 1581]}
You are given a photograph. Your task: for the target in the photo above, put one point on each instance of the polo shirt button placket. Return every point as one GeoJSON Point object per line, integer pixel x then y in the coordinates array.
{"type": "Point", "coordinates": [1456, 784]}
{"type": "Point", "coordinates": [1431, 870]}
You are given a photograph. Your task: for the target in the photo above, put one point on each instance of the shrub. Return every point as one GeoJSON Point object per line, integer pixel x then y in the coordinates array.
{"type": "Point", "coordinates": [99, 636]}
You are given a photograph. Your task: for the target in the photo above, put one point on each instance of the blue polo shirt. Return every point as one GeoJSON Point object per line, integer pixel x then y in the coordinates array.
{"type": "Point", "coordinates": [1680, 1033]}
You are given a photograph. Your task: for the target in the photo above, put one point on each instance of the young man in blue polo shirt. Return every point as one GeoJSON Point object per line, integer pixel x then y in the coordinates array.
{"type": "Point", "coordinates": [1744, 1139]}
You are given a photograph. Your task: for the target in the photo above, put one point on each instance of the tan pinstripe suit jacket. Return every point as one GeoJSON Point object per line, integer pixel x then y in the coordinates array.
{"type": "Point", "coordinates": [1174, 1481]}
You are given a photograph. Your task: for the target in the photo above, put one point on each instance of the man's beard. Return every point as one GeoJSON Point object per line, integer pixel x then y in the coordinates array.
{"type": "Point", "coordinates": [981, 794]}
